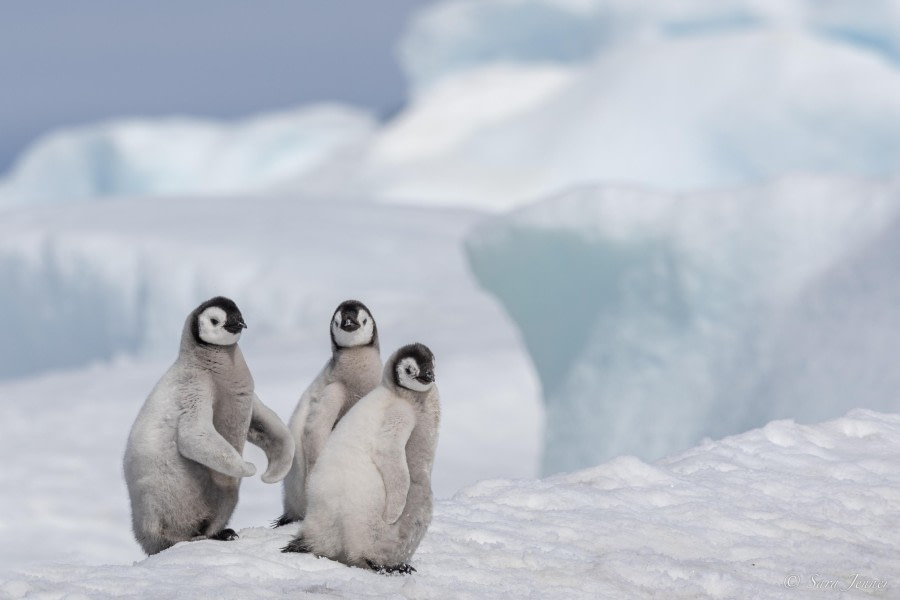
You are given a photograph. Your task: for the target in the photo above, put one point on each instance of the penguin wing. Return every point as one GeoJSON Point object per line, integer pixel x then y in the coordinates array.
{"type": "Point", "coordinates": [389, 457]}
{"type": "Point", "coordinates": [197, 438]}
{"type": "Point", "coordinates": [269, 433]}
{"type": "Point", "coordinates": [324, 409]}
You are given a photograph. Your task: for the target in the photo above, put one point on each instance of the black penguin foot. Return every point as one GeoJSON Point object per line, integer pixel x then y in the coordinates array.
{"type": "Point", "coordinates": [226, 535]}
{"type": "Point", "coordinates": [401, 569]}
{"type": "Point", "coordinates": [297, 545]}
{"type": "Point", "coordinates": [283, 520]}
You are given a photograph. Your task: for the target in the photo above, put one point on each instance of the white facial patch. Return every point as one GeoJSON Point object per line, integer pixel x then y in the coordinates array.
{"type": "Point", "coordinates": [360, 337]}
{"type": "Point", "coordinates": [407, 371]}
{"type": "Point", "coordinates": [212, 327]}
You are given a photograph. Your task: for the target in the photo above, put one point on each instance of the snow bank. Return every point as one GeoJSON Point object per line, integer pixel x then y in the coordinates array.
{"type": "Point", "coordinates": [655, 320]}
{"type": "Point", "coordinates": [786, 511]}
{"type": "Point", "coordinates": [182, 156]}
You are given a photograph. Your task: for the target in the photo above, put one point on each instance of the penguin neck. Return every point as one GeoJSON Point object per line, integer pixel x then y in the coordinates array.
{"type": "Point", "coordinates": [357, 366]}
{"type": "Point", "coordinates": [209, 356]}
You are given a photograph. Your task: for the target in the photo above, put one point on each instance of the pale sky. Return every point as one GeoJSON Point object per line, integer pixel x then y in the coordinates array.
{"type": "Point", "coordinates": [74, 62]}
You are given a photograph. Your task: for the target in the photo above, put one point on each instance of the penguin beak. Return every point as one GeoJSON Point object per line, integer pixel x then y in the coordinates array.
{"type": "Point", "coordinates": [235, 327]}
{"type": "Point", "coordinates": [426, 377]}
{"type": "Point", "coordinates": [349, 324]}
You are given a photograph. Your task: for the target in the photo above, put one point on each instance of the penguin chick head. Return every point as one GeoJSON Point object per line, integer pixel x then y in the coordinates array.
{"type": "Point", "coordinates": [352, 325]}
{"type": "Point", "coordinates": [413, 368]}
{"type": "Point", "coordinates": [218, 322]}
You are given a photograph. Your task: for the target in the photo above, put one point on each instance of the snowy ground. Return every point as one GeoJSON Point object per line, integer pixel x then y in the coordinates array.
{"type": "Point", "coordinates": [135, 266]}
{"type": "Point", "coordinates": [786, 511]}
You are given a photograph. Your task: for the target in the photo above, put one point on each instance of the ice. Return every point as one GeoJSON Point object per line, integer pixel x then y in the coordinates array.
{"type": "Point", "coordinates": [655, 320]}
{"type": "Point", "coordinates": [177, 156]}
{"type": "Point", "coordinates": [675, 113]}
{"type": "Point", "coordinates": [786, 511]}
{"type": "Point", "coordinates": [457, 35]}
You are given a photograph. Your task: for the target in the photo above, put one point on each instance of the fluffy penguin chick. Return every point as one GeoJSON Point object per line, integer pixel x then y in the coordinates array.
{"type": "Point", "coordinates": [369, 495]}
{"type": "Point", "coordinates": [183, 463]}
{"type": "Point", "coordinates": [353, 371]}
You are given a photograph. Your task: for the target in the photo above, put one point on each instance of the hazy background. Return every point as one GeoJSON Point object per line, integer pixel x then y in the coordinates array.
{"type": "Point", "coordinates": [66, 63]}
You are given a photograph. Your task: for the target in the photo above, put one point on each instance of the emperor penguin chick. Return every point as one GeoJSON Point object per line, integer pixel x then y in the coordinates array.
{"type": "Point", "coordinates": [353, 371]}
{"type": "Point", "coordinates": [369, 495]}
{"type": "Point", "coordinates": [183, 463]}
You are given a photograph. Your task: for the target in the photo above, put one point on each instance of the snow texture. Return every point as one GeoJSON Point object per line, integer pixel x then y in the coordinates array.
{"type": "Point", "coordinates": [786, 511]}
{"type": "Point", "coordinates": [177, 156]}
{"type": "Point", "coordinates": [655, 320]}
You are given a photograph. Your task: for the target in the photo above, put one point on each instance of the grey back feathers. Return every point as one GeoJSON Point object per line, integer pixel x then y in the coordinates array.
{"type": "Point", "coordinates": [352, 372]}
{"type": "Point", "coordinates": [369, 494]}
{"type": "Point", "coordinates": [183, 460]}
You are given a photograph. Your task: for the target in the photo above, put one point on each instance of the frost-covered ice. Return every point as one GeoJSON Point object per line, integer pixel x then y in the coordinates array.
{"type": "Point", "coordinates": [655, 320]}
{"type": "Point", "coordinates": [786, 511]}
{"type": "Point", "coordinates": [180, 155]}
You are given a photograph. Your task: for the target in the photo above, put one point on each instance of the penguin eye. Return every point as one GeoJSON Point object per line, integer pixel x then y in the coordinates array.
{"type": "Point", "coordinates": [409, 370]}
{"type": "Point", "coordinates": [365, 321]}
{"type": "Point", "coordinates": [214, 322]}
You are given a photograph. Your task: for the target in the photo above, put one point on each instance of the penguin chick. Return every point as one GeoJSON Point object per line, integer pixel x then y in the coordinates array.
{"type": "Point", "coordinates": [353, 371]}
{"type": "Point", "coordinates": [183, 463]}
{"type": "Point", "coordinates": [369, 495]}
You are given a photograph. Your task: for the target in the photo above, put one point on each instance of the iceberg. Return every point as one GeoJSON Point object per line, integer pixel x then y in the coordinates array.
{"type": "Point", "coordinates": [680, 113]}
{"type": "Point", "coordinates": [656, 320]}
{"type": "Point", "coordinates": [458, 35]}
{"type": "Point", "coordinates": [182, 156]}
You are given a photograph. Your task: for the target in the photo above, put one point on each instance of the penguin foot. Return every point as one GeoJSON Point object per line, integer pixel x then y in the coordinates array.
{"type": "Point", "coordinates": [226, 535]}
{"type": "Point", "coordinates": [401, 569]}
{"type": "Point", "coordinates": [283, 520]}
{"type": "Point", "coordinates": [297, 545]}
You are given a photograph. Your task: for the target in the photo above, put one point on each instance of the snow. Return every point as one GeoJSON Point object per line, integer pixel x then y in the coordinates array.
{"type": "Point", "coordinates": [180, 155]}
{"type": "Point", "coordinates": [655, 320]}
{"type": "Point", "coordinates": [99, 292]}
{"type": "Point", "coordinates": [786, 511]}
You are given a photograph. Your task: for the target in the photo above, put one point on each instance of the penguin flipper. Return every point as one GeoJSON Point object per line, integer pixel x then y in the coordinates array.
{"type": "Point", "coordinates": [390, 459]}
{"type": "Point", "coordinates": [324, 409]}
{"type": "Point", "coordinates": [268, 432]}
{"type": "Point", "coordinates": [198, 440]}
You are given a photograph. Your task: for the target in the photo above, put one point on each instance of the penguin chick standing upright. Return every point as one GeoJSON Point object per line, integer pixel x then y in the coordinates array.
{"type": "Point", "coordinates": [183, 462]}
{"type": "Point", "coordinates": [353, 371]}
{"type": "Point", "coordinates": [369, 495]}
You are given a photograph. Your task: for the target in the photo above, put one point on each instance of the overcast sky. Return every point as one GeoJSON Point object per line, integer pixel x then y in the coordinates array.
{"type": "Point", "coordinates": [75, 62]}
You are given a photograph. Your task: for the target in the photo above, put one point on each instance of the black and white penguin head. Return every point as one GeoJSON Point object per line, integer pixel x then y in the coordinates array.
{"type": "Point", "coordinates": [218, 322]}
{"type": "Point", "coordinates": [413, 368]}
{"type": "Point", "coordinates": [352, 325]}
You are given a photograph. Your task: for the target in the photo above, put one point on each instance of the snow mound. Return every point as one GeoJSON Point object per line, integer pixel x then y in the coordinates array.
{"type": "Point", "coordinates": [771, 513]}
{"type": "Point", "coordinates": [655, 320]}
{"type": "Point", "coordinates": [178, 156]}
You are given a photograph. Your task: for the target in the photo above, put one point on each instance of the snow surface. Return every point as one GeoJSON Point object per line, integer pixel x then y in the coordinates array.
{"type": "Point", "coordinates": [655, 320]}
{"type": "Point", "coordinates": [102, 290]}
{"type": "Point", "coordinates": [786, 511]}
{"type": "Point", "coordinates": [180, 155]}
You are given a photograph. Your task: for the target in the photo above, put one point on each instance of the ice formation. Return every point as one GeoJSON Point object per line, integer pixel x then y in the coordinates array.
{"type": "Point", "coordinates": [656, 320]}
{"type": "Point", "coordinates": [179, 156]}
